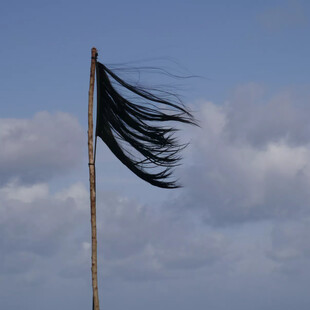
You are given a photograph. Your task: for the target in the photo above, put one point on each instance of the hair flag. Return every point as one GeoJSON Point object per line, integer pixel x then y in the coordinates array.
{"type": "Point", "coordinates": [134, 123]}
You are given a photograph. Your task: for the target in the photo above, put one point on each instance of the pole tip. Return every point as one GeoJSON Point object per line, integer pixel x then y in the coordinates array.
{"type": "Point", "coordinates": [94, 53]}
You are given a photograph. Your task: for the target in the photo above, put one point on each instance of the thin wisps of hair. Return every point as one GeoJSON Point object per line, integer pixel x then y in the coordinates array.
{"type": "Point", "coordinates": [136, 128]}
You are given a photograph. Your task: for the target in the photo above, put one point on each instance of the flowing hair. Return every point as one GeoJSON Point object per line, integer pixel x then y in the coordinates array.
{"type": "Point", "coordinates": [136, 128]}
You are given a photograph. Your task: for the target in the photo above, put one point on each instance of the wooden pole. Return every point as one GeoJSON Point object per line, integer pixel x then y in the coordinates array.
{"type": "Point", "coordinates": [92, 180]}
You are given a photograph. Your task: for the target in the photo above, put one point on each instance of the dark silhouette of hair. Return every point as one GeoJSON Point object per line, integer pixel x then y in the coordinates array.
{"type": "Point", "coordinates": [138, 132]}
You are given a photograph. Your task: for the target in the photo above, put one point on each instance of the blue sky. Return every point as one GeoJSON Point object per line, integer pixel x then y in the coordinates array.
{"type": "Point", "coordinates": [229, 43]}
{"type": "Point", "coordinates": [236, 235]}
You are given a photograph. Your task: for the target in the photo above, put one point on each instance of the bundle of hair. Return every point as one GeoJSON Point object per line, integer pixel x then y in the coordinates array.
{"type": "Point", "coordinates": [138, 132]}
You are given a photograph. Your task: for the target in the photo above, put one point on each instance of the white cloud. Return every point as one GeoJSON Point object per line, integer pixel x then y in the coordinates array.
{"type": "Point", "coordinates": [36, 149]}
{"type": "Point", "coordinates": [76, 192]}
{"type": "Point", "coordinates": [238, 232]}
{"type": "Point", "coordinates": [52, 231]}
{"type": "Point", "coordinates": [250, 161]}
{"type": "Point", "coordinates": [141, 243]}
{"type": "Point", "coordinates": [24, 193]}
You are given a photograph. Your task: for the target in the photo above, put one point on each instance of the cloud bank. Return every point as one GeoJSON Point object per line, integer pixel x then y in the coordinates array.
{"type": "Point", "coordinates": [235, 236]}
{"type": "Point", "coordinates": [251, 160]}
{"type": "Point", "coordinates": [37, 149]}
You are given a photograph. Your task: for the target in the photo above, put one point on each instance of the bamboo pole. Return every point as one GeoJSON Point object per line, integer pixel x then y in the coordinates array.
{"type": "Point", "coordinates": [92, 180]}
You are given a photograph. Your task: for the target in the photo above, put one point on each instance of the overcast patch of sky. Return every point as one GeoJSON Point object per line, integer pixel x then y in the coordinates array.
{"type": "Point", "coordinates": [244, 212]}
{"type": "Point", "coordinates": [223, 41]}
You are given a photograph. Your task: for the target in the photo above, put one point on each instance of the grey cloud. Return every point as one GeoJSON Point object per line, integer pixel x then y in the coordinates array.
{"type": "Point", "coordinates": [254, 190]}
{"type": "Point", "coordinates": [36, 149]}
{"type": "Point", "coordinates": [250, 160]}
{"type": "Point", "coordinates": [136, 241]}
{"type": "Point", "coordinates": [257, 120]}
{"type": "Point", "coordinates": [168, 256]}
{"type": "Point", "coordinates": [288, 14]}
{"type": "Point", "coordinates": [290, 247]}
{"type": "Point", "coordinates": [162, 245]}
{"type": "Point", "coordinates": [34, 226]}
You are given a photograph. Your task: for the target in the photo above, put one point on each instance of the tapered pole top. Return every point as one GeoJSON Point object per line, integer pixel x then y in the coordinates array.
{"type": "Point", "coordinates": [94, 53]}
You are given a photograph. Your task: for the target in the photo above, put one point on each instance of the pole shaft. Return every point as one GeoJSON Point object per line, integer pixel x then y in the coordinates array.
{"type": "Point", "coordinates": [92, 180]}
